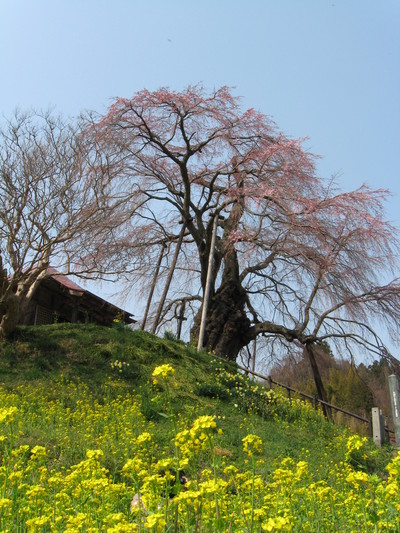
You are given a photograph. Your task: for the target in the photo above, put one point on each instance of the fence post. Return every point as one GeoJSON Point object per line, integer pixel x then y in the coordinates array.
{"type": "Point", "coordinates": [378, 426]}
{"type": "Point", "coordinates": [289, 393]}
{"type": "Point", "coordinates": [395, 401]}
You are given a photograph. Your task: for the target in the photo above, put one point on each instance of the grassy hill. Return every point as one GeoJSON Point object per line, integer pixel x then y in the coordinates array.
{"type": "Point", "coordinates": [89, 416]}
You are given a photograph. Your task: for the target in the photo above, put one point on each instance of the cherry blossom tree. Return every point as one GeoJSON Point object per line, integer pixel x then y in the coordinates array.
{"type": "Point", "coordinates": [295, 260]}
{"type": "Point", "coordinates": [56, 205]}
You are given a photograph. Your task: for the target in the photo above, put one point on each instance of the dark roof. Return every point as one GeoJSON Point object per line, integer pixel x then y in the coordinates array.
{"type": "Point", "coordinates": [76, 290]}
{"type": "Point", "coordinates": [64, 280]}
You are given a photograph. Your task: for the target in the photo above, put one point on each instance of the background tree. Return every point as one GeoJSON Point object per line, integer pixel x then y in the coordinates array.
{"type": "Point", "coordinates": [347, 385]}
{"type": "Point", "coordinates": [56, 205]}
{"type": "Point", "coordinates": [296, 261]}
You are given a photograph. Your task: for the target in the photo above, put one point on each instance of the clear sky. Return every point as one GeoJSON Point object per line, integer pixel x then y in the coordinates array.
{"type": "Point", "coordinates": [324, 69]}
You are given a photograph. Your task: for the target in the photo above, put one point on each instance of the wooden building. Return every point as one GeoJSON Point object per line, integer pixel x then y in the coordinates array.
{"type": "Point", "coordinates": [59, 299]}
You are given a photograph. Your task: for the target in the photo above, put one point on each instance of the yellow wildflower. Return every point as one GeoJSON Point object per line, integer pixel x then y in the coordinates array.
{"type": "Point", "coordinates": [251, 444]}
{"type": "Point", "coordinates": [7, 414]}
{"type": "Point", "coordinates": [275, 524]}
{"type": "Point", "coordinates": [163, 371]}
{"type": "Point", "coordinates": [157, 521]}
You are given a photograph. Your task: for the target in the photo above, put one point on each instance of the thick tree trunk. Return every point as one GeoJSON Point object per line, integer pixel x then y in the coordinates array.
{"type": "Point", "coordinates": [227, 325]}
{"type": "Point", "coordinates": [13, 303]}
{"type": "Point", "coordinates": [10, 315]}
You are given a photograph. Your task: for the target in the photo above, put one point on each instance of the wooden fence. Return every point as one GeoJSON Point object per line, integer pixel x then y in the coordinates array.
{"type": "Point", "coordinates": [314, 399]}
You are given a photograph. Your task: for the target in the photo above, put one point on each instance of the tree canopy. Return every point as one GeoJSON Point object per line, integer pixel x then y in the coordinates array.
{"type": "Point", "coordinates": [190, 186]}
{"type": "Point", "coordinates": [56, 205]}
{"type": "Point", "coordinates": [296, 260]}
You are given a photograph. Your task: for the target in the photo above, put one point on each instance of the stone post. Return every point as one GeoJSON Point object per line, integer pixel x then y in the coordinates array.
{"type": "Point", "coordinates": [378, 426]}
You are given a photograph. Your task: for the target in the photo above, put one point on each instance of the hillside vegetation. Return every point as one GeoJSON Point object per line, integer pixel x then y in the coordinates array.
{"type": "Point", "coordinates": [354, 387]}
{"type": "Point", "coordinates": [91, 416]}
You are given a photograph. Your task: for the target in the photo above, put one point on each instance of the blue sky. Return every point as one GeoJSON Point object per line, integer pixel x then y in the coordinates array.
{"type": "Point", "coordinates": [324, 69]}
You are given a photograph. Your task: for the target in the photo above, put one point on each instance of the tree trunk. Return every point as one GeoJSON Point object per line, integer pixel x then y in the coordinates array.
{"type": "Point", "coordinates": [14, 303]}
{"type": "Point", "coordinates": [153, 285]}
{"type": "Point", "coordinates": [169, 279]}
{"type": "Point", "coordinates": [227, 325]}
{"type": "Point", "coordinates": [309, 349]}
{"type": "Point", "coordinates": [10, 316]}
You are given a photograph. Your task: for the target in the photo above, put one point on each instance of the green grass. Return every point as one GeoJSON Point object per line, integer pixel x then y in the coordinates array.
{"type": "Point", "coordinates": [89, 355]}
{"type": "Point", "coordinates": [84, 387]}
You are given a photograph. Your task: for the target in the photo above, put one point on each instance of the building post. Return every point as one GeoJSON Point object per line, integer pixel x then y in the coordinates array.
{"type": "Point", "coordinates": [395, 402]}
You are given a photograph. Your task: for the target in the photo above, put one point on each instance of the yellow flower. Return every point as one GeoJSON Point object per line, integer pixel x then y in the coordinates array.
{"type": "Point", "coordinates": [144, 438]}
{"type": "Point", "coordinates": [203, 422]}
{"type": "Point", "coordinates": [251, 444]}
{"type": "Point", "coordinates": [356, 478]}
{"type": "Point", "coordinates": [391, 490]}
{"type": "Point", "coordinates": [163, 371]}
{"type": "Point", "coordinates": [95, 454]}
{"type": "Point", "coordinates": [35, 524]}
{"type": "Point", "coordinates": [394, 467]}
{"type": "Point", "coordinates": [5, 506]}
{"type": "Point", "coordinates": [7, 415]}
{"type": "Point", "coordinates": [355, 442]}
{"type": "Point", "coordinates": [275, 524]}
{"type": "Point", "coordinates": [38, 452]}
{"type": "Point", "coordinates": [156, 520]}
{"type": "Point", "coordinates": [122, 528]}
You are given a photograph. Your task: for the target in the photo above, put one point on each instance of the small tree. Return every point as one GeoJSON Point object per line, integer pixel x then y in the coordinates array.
{"type": "Point", "coordinates": [55, 205]}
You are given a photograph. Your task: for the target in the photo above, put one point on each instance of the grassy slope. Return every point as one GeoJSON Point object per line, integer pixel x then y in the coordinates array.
{"type": "Point", "coordinates": [90, 355]}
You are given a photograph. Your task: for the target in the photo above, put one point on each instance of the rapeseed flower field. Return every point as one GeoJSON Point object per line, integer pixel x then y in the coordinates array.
{"type": "Point", "coordinates": [77, 461]}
